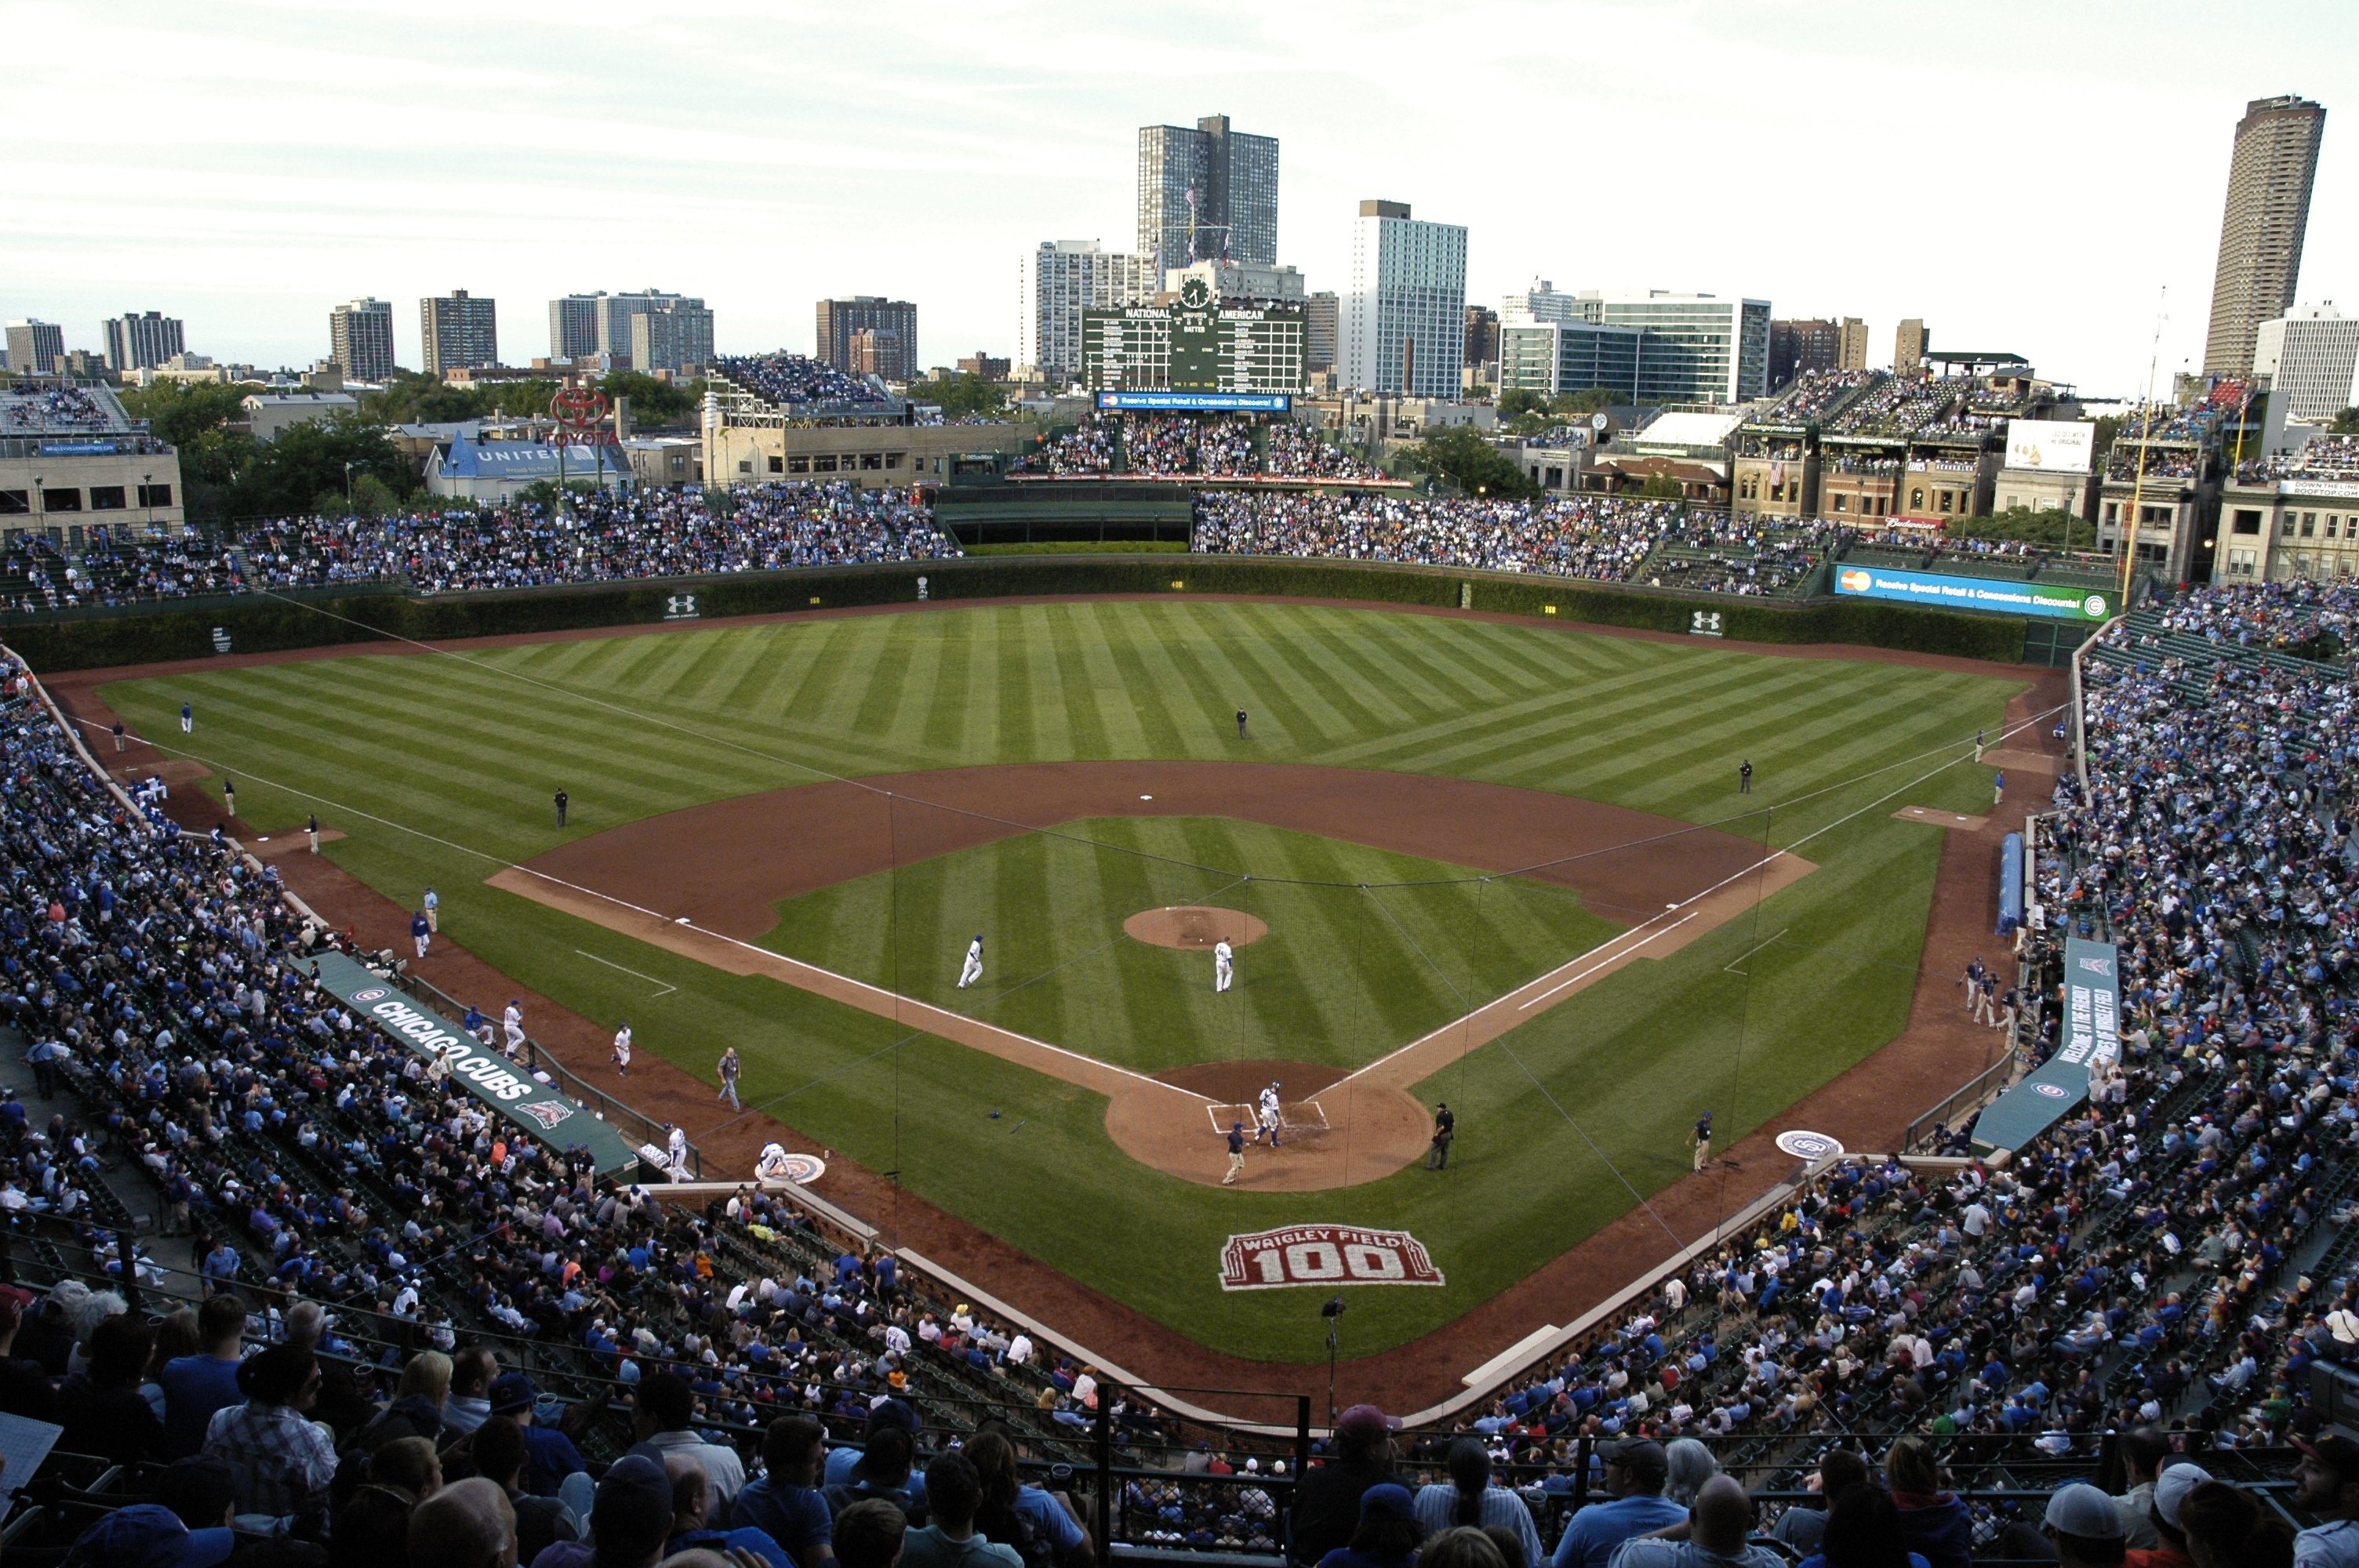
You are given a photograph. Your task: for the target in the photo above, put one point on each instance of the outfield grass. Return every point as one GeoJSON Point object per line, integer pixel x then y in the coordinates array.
{"type": "Point", "coordinates": [441, 769]}
{"type": "Point", "coordinates": [1355, 962]}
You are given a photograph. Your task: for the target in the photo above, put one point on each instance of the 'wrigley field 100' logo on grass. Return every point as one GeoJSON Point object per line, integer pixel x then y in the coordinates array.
{"type": "Point", "coordinates": [1324, 1255]}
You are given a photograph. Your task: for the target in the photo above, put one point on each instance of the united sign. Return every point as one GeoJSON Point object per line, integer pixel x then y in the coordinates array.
{"type": "Point", "coordinates": [1324, 1255]}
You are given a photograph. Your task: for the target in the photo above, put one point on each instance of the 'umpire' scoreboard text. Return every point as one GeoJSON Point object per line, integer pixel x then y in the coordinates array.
{"type": "Point", "coordinates": [1195, 344]}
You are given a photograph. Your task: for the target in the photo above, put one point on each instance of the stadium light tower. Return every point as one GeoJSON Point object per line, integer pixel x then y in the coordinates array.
{"type": "Point", "coordinates": [1334, 1313]}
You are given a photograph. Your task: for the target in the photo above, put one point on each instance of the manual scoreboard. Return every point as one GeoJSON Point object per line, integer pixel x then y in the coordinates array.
{"type": "Point", "coordinates": [1194, 344]}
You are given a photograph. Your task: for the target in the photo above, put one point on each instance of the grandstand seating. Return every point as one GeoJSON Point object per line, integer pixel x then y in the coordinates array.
{"type": "Point", "coordinates": [2169, 1253]}
{"type": "Point", "coordinates": [791, 380]}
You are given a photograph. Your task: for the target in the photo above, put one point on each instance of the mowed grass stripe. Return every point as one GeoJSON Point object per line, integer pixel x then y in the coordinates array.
{"type": "Point", "coordinates": [1296, 708]}
{"type": "Point", "coordinates": [1178, 722]}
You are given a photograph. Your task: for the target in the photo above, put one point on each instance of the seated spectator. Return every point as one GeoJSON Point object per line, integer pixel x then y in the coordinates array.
{"type": "Point", "coordinates": [630, 1519]}
{"type": "Point", "coordinates": [195, 1386]}
{"type": "Point", "coordinates": [1469, 1499]}
{"type": "Point", "coordinates": [468, 1524]}
{"type": "Point", "coordinates": [691, 1498]}
{"type": "Point", "coordinates": [1388, 1535]}
{"type": "Point", "coordinates": [882, 1473]}
{"type": "Point", "coordinates": [2085, 1528]}
{"type": "Point", "coordinates": [1636, 1470]}
{"type": "Point", "coordinates": [661, 1408]}
{"type": "Point", "coordinates": [2226, 1527]}
{"type": "Point", "coordinates": [372, 1530]}
{"type": "Point", "coordinates": [1326, 1511]}
{"type": "Point", "coordinates": [1933, 1522]}
{"type": "Point", "coordinates": [869, 1534]}
{"type": "Point", "coordinates": [551, 1455]}
{"type": "Point", "coordinates": [1840, 1469]}
{"type": "Point", "coordinates": [1862, 1530]}
{"type": "Point", "coordinates": [784, 1502]}
{"type": "Point", "coordinates": [1718, 1529]}
{"type": "Point", "coordinates": [104, 1411]}
{"type": "Point", "coordinates": [1462, 1546]}
{"type": "Point", "coordinates": [498, 1452]}
{"type": "Point", "coordinates": [146, 1535]}
{"type": "Point", "coordinates": [284, 1461]}
{"type": "Point", "coordinates": [2326, 1486]}
{"type": "Point", "coordinates": [1042, 1530]}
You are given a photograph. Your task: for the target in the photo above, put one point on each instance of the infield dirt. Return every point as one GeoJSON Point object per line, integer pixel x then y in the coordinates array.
{"type": "Point", "coordinates": [1868, 1106]}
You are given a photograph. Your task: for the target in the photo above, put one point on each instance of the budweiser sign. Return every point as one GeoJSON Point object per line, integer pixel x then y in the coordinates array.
{"type": "Point", "coordinates": [1325, 1255]}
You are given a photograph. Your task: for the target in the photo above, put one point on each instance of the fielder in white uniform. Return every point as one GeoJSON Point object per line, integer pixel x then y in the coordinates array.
{"type": "Point", "coordinates": [772, 1165]}
{"type": "Point", "coordinates": [512, 1021]}
{"type": "Point", "coordinates": [622, 1051]}
{"type": "Point", "coordinates": [974, 970]}
{"type": "Point", "coordinates": [1269, 1117]}
{"type": "Point", "coordinates": [676, 1152]}
{"type": "Point", "coordinates": [1224, 965]}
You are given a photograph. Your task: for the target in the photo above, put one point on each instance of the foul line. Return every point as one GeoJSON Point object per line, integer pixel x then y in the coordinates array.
{"type": "Point", "coordinates": [611, 965]}
{"type": "Point", "coordinates": [1730, 967]}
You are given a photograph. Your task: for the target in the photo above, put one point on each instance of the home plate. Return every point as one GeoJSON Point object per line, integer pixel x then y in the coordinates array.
{"type": "Point", "coordinates": [1925, 814]}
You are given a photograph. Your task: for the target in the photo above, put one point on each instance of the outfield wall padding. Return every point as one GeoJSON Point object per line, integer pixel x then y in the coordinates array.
{"type": "Point", "coordinates": [256, 624]}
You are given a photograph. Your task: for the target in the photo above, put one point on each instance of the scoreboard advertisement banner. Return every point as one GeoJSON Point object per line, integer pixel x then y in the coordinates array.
{"type": "Point", "coordinates": [1944, 591]}
{"type": "Point", "coordinates": [1198, 402]}
{"type": "Point", "coordinates": [2092, 1004]}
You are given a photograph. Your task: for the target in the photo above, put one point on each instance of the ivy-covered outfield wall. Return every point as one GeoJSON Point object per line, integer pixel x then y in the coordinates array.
{"type": "Point", "coordinates": [258, 623]}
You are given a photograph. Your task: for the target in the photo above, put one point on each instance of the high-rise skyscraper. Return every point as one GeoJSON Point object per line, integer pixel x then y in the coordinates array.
{"type": "Point", "coordinates": [1056, 283]}
{"type": "Point", "coordinates": [1910, 339]}
{"type": "Point", "coordinates": [573, 326]}
{"type": "Point", "coordinates": [1319, 327]}
{"type": "Point", "coordinates": [459, 331]}
{"type": "Point", "coordinates": [894, 347]}
{"type": "Point", "coordinates": [613, 314]}
{"type": "Point", "coordinates": [2311, 358]}
{"type": "Point", "coordinates": [671, 334]}
{"type": "Point", "coordinates": [1209, 194]}
{"type": "Point", "coordinates": [359, 339]}
{"type": "Point", "coordinates": [1403, 325]}
{"type": "Point", "coordinates": [136, 340]}
{"type": "Point", "coordinates": [1851, 349]}
{"type": "Point", "coordinates": [36, 346]}
{"type": "Point", "coordinates": [1801, 347]}
{"type": "Point", "coordinates": [2261, 229]}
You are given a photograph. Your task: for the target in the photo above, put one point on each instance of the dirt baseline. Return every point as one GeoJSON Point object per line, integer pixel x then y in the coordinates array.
{"type": "Point", "coordinates": [702, 883]}
{"type": "Point", "coordinates": [1194, 925]}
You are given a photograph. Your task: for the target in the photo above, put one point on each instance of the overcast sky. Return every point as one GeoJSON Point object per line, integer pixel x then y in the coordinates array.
{"type": "Point", "coordinates": [2026, 177]}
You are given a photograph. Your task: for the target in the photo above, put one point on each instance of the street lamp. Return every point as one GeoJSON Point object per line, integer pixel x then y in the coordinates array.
{"type": "Point", "coordinates": [348, 485]}
{"type": "Point", "coordinates": [147, 500]}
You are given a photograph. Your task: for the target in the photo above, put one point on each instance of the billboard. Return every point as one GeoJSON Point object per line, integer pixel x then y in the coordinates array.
{"type": "Point", "coordinates": [1324, 1255]}
{"type": "Point", "coordinates": [2050, 446]}
{"type": "Point", "coordinates": [1940, 590]}
{"type": "Point", "coordinates": [1200, 402]}
{"type": "Point", "coordinates": [2093, 1000]}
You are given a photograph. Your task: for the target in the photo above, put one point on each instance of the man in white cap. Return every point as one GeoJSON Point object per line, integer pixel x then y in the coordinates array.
{"type": "Point", "coordinates": [1224, 965]}
{"type": "Point", "coordinates": [973, 968]}
{"type": "Point", "coordinates": [771, 1166]}
{"type": "Point", "coordinates": [2171, 1489]}
{"type": "Point", "coordinates": [2082, 1524]}
{"type": "Point", "coordinates": [1267, 1117]}
{"type": "Point", "coordinates": [676, 1152]}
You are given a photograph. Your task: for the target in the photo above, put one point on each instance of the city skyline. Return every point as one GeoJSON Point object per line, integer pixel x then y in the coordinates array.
{"type": "Point", "coordinates": [911, 182]}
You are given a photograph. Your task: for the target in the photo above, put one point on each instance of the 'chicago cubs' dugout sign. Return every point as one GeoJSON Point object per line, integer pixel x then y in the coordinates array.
{"type": "Point", "coordinates": [1325, 1255]}
{"type": "Point", "coordinates": [508, 1090]}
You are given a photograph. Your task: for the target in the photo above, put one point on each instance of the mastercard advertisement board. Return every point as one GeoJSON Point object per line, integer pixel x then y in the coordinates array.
{"type": "Point", "coordinates": [2000, 596]}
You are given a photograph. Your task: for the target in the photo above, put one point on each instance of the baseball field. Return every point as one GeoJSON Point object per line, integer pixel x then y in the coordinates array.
{"type": "Point", "coordinates": [1429, 816]}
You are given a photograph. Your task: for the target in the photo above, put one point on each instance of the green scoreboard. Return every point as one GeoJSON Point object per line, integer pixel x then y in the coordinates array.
{"type": "Point", "coordinates": [1193, 344]}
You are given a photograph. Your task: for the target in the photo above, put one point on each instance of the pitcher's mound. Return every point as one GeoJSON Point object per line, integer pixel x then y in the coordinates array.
{"type": "Point", "coordinates": [1195, 925]}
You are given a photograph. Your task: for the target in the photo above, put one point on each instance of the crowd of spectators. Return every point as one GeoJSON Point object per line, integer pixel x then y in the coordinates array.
{"type": "Point", "coordinates": [1811, 396]}
{"type": "Point", "coordinates": [1171, 446]}
{"type": "Point", "coordinates": [1903, 406]}
{"type": "Point", "coordinates": [2321, 456]}
{"type": "Point", "coordinates": [1599, 536]}
{"type": "Point", "coordinates": [2284, 616]}
{"type": "Point", "coordinates": [784, 378]}
{"type": "Point", "coordinates": [2150, 1264]}
{"type": "Point", "coordinates": [1086, 449]}
{"type": "Point", "coordinates": [37, 574]}
{"type": "Point", "coordinates": [30, 406]}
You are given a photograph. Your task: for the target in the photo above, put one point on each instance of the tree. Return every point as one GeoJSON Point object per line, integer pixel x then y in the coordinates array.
{"type": "Point", "coordinates": [1461, 455]}
{"type": "Point", "coordinates": [2346, 422]}
{"type": "Point", "coordinates": [1589, 400]}
{"type": "Point", "coordinates": [2053, 527]}
{"type": "Point", "coordinates": [1519, 401]}
{"type": "Point", "coordinates": [315, 459]}
{"type": "Point", "coordinates": [653, 402]}
{"type": "Point", "coordinates": [963, 396]}
{"type": "Point", "coordinates": [1660, 487]}
{"type": "Point", "coordinates": [179, 412]}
